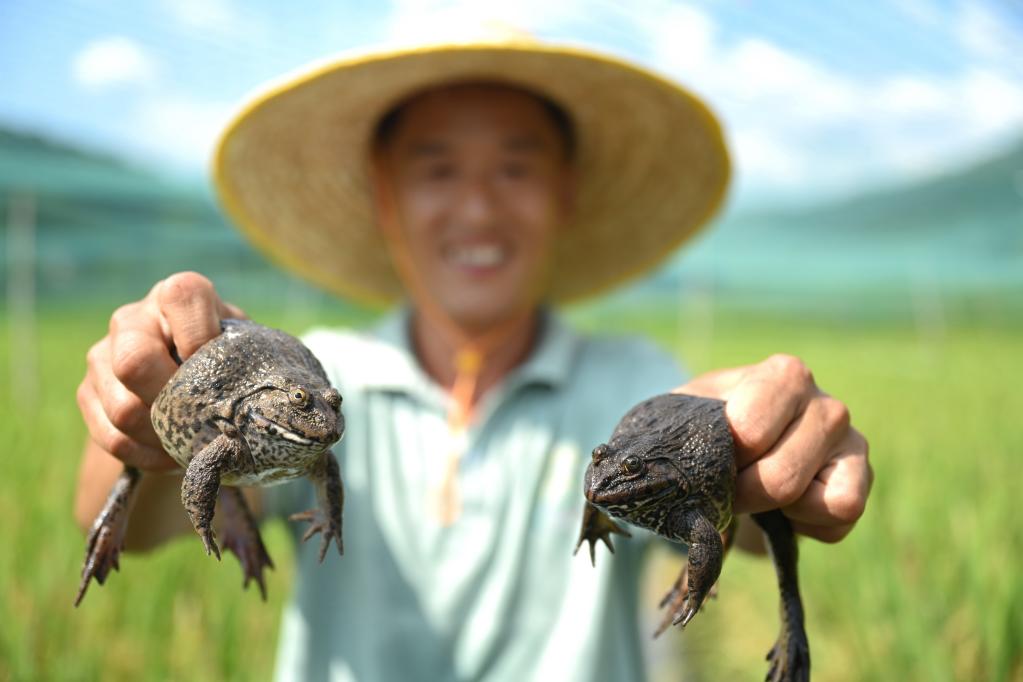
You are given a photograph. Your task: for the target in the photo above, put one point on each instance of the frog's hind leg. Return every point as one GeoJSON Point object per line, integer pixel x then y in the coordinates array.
{"type": "Point", "coordinates": [202, 482]}
{"type": "Point", "coordinates": [678, 593]}
{"type": "Point", "coordinates": [790, 656]}
{"type": "Point", "coordinates": [240, 535]}
{"type": "Point", "coordinates": [330, 493]}
{"type": "Point", "coordinates": [106, 538]}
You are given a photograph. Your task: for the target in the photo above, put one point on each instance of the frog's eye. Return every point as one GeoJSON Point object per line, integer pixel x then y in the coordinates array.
{"type": "Point", "coordinates": [299, 397]}
{"type": "Point", "coordinates": [599, 453]}
{"type": "Point", "coordinates": [632, 464]}
{"type": "Point", "coordinates": [333, 398]}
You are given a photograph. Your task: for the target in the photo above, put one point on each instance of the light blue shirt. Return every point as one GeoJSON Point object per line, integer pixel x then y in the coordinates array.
{"type": "Point", "coordinates": [498, 595]}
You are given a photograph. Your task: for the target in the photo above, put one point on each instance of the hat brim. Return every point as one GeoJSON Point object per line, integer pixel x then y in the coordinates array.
{"type": "Point", "coordinates": [291, 168]}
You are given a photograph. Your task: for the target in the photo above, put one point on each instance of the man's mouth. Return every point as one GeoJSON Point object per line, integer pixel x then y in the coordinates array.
{"type": "Point", "coordinates": [476, 256]}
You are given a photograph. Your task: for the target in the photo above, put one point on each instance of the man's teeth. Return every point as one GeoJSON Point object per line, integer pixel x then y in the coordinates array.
{"type": "Point", "coordinates": [483, 256]}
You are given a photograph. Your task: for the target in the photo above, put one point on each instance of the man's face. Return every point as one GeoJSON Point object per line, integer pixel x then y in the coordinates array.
{"type": "Point", "coordinates": [482, 184]}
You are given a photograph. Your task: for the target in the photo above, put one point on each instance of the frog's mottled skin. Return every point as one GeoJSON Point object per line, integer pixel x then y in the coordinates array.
{"type": "Point", "coordinates": [670, 467]}
{"type": "Point", "coordinates": [251, 407]}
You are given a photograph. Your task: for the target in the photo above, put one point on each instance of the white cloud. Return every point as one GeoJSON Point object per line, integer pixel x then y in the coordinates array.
{"type": "Point", "coordinates": [112, 62]}
{"type": "Point", "coordinates": [993, 102]}
{"type": "Point", "coordinates": [903, 96]}
{"type": "Point", "coordinates": [923, 12]}
{"type": "Point", "coordinates": [418, 21]}
{"type": "Point", "coordinates": [686, 47]}
{"type": "Point", "coordinates": [796, 124]}
{"type": "Point", "coordinates": [984, 34]}
{"type": "Point", "coordinates": [203, 14]}
{"type": "Point", "coordinates": [221, 17]}
{"type": "Point", "coordinates": [180, 128]}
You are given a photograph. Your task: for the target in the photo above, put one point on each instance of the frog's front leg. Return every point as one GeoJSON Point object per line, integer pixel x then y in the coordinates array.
{"type": "Point", "coordinates": [330, 494]}
{"type": "Point", "coordinates": [240, 535]}
{"type": "Point", "coordinates": [106, 538]}
{"type": "Point", "coordinates": [676, 596]}
{"type": "Point", "coordinates": [202, 482]}
{"type": "Point", "coordinates": [597, 526]}
{"type": "Point", "coordinates": [706, 553]}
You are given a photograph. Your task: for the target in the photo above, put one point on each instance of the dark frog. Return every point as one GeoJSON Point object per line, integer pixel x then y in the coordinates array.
{"type": "Point", "coordinates": [670, 468]}
{"type": "Point", "coordinates": [252, 407]}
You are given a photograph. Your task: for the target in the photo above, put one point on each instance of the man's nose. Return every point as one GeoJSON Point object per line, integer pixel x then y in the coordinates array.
{"type": "Point", "coordinates": [477, 202]}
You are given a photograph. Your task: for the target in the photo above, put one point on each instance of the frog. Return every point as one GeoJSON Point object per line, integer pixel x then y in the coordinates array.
{"type": "Point", "coordinates": [251, 407]}
{"type": "Point", "coordinates": [669, 467]}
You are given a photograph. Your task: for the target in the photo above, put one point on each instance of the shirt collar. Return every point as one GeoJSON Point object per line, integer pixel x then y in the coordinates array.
{"type": "Point", "coordinates": [550, 362]}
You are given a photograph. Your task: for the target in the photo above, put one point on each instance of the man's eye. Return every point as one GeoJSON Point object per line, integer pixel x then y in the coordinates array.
{"type": "Point", "coordinates": [515, 171]}
{"type": "Point", "coordinates": [440, 172]}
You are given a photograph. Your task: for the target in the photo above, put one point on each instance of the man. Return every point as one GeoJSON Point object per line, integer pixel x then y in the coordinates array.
{"type": "Point", "coordinates": [483, 181]}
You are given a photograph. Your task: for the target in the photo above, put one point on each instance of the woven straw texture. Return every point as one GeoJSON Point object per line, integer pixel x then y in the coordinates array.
{"type": "Point", "coordinates": [291, 168]}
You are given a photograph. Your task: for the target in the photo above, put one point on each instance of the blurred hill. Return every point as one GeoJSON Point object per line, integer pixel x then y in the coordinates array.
{"type": "Point", "coordinates": [957, 235]}
{"type": "Point", "coordinates": [105, 229]}
{"type": "Point", "coordinates": [108, 230]}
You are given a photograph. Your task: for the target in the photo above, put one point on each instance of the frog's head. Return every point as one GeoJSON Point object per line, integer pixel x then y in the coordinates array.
{"type": "Point", "coordinates": [636, 479]}
{"type": "Point", "coordinates": [297, 415]}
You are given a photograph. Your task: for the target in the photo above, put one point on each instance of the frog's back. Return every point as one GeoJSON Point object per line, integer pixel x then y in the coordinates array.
{"type": "Point", "coordinates": [242, 360]}
{"type": "Point", "coordinates": [694, 431]}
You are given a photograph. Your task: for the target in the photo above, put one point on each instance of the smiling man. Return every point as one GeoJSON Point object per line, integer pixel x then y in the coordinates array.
{"type": "Point", "coordinates": [480, 183]}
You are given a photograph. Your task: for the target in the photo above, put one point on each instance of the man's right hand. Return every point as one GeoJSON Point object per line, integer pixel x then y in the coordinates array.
{"type": "Point", "coordinates": [127, 368]}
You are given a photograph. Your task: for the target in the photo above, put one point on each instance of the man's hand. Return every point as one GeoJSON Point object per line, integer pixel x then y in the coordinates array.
{"type": "Point", "coordinates": [795, 448]}
{"type": "Point", "coordinates": [128, 367]}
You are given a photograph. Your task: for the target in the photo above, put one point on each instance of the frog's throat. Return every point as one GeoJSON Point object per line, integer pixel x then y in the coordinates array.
{"type": "Point", "coordinates": [276, 429]}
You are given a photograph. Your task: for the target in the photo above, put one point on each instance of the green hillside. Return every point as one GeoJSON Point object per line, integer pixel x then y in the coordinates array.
{"type": "Point", "coordinates": [991, 189]}
{"type": "Point", "coordinates": [959, 234]}
{"type": "Point", "coordinates": [108, 230]}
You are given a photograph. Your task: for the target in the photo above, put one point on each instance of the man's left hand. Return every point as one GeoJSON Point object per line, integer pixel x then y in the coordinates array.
{"type": "Point", "coordinates": [795, 447]}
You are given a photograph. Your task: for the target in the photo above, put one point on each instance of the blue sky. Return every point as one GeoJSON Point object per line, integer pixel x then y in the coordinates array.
{"type": "Point", "coordinates": [818, 97]}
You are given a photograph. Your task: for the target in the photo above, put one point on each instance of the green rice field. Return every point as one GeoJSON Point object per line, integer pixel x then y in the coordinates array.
{"type": "Point", "coordinates": [929, 586]}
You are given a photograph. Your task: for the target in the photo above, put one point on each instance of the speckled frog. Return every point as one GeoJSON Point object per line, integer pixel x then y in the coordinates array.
{"type": "Point", "coordinates": [252, 407]}
{"type": "Point", "coordinates": [670, 467]}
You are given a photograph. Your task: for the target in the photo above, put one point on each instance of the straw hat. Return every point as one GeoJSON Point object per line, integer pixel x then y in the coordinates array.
{"type": "Point", "coordinates": [291, 167]}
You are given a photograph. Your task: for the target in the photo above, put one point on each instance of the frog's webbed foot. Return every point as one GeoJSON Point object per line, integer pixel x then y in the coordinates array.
{"type": "Point", "coordinates": [202, 482]}
{"type": "Point", "coordinates": [327, 519]}
{"type": "Point", "coordinates": [790, 659]}
{"type": "Point", "coordinates": [241, 536]}
{"type": "Point", "coordinates": [598, 526]}
{"type": "Point", "coordinates": [106, 538]}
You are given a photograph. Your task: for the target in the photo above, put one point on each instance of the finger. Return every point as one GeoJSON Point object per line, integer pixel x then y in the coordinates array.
{"type": "Point", "coordinates": [125, 410]}
{"type": "Point", "coordinates": [764, 402]}
{"type": "Point", "coordinates": [231, 311]}
{"type": "Point", "coordinates": [837, 496]}
{"type": "Point", "coordinates": [783, 474]}
{"type": "Point", "coordinates": [114, 441]}
{"type": "Point", "coordinates": [191, 311]}
{"type": "Point", "coordinates": [139, 357]}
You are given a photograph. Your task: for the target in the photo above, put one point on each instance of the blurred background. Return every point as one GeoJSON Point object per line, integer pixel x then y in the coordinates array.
{"type": "Point", "coordinates": [875, 228]}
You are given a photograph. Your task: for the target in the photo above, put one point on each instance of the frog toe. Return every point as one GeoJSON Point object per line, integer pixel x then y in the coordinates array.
{"type": "Point", "coordinates": [598, 526]}
{"type": "Point", "coordinates": [106, 538]}
{"type": "Point", "coordinates": [320, 523]}
{"type": "Point", "coordinates": [790, 661]}
{"type": "Point", "coordinates": [209, 541]}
